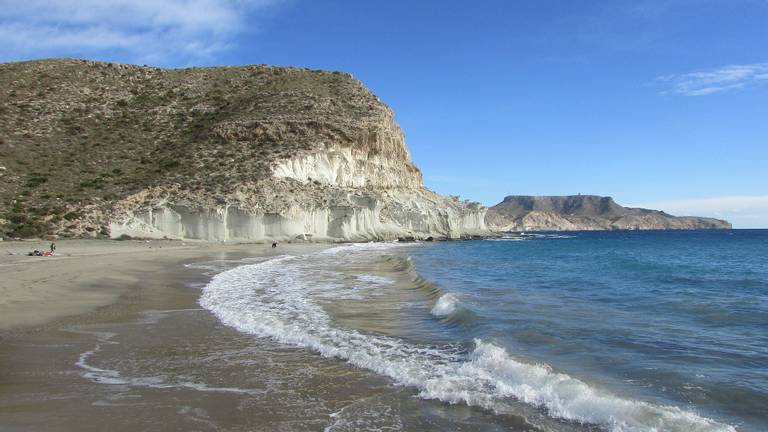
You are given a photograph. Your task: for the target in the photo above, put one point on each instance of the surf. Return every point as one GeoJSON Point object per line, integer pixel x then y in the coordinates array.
{"type": "Point", "coordinates": [281, 299]}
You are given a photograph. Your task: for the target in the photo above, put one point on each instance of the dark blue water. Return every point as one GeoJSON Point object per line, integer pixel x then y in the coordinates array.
{"type": "Point", "coordinates": [677, 318]}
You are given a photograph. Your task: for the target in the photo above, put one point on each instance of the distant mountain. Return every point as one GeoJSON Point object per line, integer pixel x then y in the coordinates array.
{"type": "Point", "coordinates": [585, 212]}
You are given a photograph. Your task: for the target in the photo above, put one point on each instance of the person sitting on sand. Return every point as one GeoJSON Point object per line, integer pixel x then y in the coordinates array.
{"type": "Point", "coordinates": [274, 245]}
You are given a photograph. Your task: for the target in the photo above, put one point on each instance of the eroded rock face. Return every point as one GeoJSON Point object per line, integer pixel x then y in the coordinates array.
{"type": "Point", "coordinates": [585, 213]}
{"type": "Point", "coordinates": [333, 191]}
{"type": "Point", "coordinates": [402, 215]}
{"type": "Point", "coordinates": [245, 153]}
{"type": "Point", "coordinates": [311, 212]}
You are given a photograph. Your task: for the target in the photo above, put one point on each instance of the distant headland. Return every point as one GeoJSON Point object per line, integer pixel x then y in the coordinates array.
{"type": "Point", "coordinates": [585, 212]}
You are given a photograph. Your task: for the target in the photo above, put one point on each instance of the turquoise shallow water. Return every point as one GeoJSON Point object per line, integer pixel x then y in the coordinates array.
{"type": "Point", "coordinates": [674, 318]}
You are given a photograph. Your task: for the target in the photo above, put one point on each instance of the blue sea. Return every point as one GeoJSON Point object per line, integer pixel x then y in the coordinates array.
{"type": "Point", "coordinates": [583, 331]}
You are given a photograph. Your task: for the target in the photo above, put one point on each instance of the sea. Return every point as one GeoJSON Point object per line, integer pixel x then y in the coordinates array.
{"type": "Point", "coordinates": [580, 331]}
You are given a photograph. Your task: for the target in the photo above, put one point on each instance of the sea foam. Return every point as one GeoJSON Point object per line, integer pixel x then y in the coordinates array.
{"type": "Point", "coordinates": [114, 377]}
{"type": "Point", "coordinates": [445, 305]}
{"type": "Point", "coordinates": [275, 299]}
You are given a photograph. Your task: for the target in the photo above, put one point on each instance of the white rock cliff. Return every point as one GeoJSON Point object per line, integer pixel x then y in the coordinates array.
{"type": "Point", "coordinates": [339, 193]}
{"type": "Point", "coordinates": [243, 153]}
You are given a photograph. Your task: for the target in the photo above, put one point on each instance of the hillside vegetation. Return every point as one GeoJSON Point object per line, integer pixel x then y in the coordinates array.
{"type": "Point", "coordinates": [79, 135]}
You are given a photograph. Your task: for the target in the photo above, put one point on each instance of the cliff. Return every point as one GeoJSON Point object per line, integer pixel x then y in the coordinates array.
{"type": "Point", "coordinates": [585, 212]}
{"type": "Point", "coordinates": [252, 153]}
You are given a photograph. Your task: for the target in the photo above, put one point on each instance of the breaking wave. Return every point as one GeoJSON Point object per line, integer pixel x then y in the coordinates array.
{"type": "Point", "coordinates": [277, 299]}
{"type": "Point", "coordinates": [445, 305]}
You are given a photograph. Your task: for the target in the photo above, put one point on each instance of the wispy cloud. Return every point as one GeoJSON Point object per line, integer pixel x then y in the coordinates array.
{"type": "Point", "coordinates": [716, 80]}
{"type": "Point", "coordinates": [151, 31]}
{"type": "Point", "coordinates": [742, 211]}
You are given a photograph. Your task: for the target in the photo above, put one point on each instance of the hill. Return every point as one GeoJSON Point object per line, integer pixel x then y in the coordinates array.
{"type": "Point", "coordinates": [92, 149]}
{"type": "Point", "coordinates": [585, 212]}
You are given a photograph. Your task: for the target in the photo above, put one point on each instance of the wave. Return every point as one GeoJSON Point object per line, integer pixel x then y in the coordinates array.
{"type": "Point", "coordinates": [114, 377]}
{"type": "Point", "coordinates": [375, 280]}
{"type": "Point", "coordinates": [445, 305]}
{"type": "Point", "coordinates": [524, 237]}
{"type": "Point", "coordinates": [275, 299]}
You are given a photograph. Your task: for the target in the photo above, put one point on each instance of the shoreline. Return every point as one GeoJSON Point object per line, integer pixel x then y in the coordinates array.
{"type": "Point", "coordinates": [290, 339]}
{"type": "Point", "coordinates": [85, 275]}
{"type": "Point", "coordinates": [84, 321]}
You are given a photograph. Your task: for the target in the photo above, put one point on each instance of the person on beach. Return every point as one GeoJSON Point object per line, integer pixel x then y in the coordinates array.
{"type": "Point", "coordinates": [274, 245]}
{"type": "Point", "coordinates": [53, 247]}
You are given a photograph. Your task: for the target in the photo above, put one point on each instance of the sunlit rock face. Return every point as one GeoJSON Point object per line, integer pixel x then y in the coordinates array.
{"type": "Point", "coordinates": [245, 153]}
{"type": "Point", "coordinates": [360, 186]}
{"type": "Point", "coordinates": [326, 196]}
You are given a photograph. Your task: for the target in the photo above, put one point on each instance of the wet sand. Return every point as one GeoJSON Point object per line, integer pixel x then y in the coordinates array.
{"type": "Point", "coordinates": [110, 336]}
{"type": "Point", "coordinates": [54, 309]}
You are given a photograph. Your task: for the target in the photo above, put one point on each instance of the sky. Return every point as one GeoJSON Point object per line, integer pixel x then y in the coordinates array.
{"type": "Point", "coordinates": [662, 104]}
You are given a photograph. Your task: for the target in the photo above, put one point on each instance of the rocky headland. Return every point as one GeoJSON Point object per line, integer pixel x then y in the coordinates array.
{"type": "Point", "coordinates": [585, 212]}
{"type": "Point", "coordinates": [251, 153]}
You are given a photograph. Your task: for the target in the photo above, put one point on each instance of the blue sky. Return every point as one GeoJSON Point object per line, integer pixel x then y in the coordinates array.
{"type": "Point", "coordinates": [657, 103]}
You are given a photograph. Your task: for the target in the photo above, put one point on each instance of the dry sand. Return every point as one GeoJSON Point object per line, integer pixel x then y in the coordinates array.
{"type": "Point", "coordinates": [86, 274]}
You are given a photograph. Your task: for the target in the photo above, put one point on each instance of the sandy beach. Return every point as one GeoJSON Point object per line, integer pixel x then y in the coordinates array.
{"type": "Point", "coordinates": [86, 274]}
{"type": "Point", "coordinates": [57, 312]}
{"type": "Point", "coordinates": [165, 335]}
{"type": "Point", "coordinates": [112, 335]}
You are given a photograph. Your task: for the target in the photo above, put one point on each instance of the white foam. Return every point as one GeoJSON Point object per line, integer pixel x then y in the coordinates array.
{"type": "Point", "coordinates": [102, 376]}
{"type": "Point", "coordinates": [365, 414]}
{"type": "Point", "coordinates": [210, 268]}
{"type": "Point", "coordinates": [277, 299]}
{"type": "Point", "coordinates": [369, 246]}
{"type": "Point", "coordinates": [445, 305]}
{"type": "Point", "coordinates": [376, 280]}
{"type": "Point", "coordinates": [113, 377]}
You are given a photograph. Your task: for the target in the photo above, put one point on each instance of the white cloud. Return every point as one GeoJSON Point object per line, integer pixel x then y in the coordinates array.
{"type": "Point", "coordinates": [741, 211]}
{"type": "Point", "coordinates": [157, 31]}
{"type": "Point", "coordinates": [716, 80]}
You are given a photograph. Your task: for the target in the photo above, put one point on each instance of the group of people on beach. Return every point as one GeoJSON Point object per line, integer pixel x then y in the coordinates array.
{"type": "Point", "coordinates": [44, 253]}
